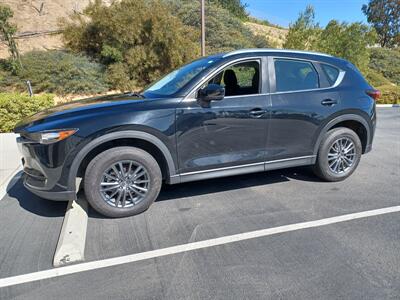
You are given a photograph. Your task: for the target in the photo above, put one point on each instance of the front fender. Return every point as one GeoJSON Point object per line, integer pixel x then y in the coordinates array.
{"type": "Point", "coordinates": [114, 136]}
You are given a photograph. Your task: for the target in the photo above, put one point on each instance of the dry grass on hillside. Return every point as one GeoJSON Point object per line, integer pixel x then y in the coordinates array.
{"type": "Point", "coordinates": [32, 16]}
{"type": "Point", "coordinates": [275, 35]}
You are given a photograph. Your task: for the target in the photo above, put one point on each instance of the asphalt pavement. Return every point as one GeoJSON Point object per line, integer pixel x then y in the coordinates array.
{"type": "Point", "coordinates": [357, 259]}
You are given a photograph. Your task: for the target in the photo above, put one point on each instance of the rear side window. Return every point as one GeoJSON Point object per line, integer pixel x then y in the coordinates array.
{"type": "Point", "coordinates": [295, 75]}
{"type": "Point", "coordinates": [331, 73]}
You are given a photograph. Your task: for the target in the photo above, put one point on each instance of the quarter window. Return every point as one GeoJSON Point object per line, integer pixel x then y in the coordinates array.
{"type": "Point", "coordinates": [331, 72]}
{"type": "Point", "coordinates": [294, 75]}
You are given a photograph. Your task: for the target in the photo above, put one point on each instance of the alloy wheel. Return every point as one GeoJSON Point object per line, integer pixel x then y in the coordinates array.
{"type": "Point", "coordinates": [124, 184]}
{"type": "Point", "coordinates": [341, 155]}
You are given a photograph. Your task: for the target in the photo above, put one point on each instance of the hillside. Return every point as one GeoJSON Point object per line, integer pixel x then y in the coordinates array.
{"type": "Point", "coordinates": [37, 19]}
{"type": "Point", "coordinates": [275, 35]}
{"type": "Point", "coordinates": [37, 22]}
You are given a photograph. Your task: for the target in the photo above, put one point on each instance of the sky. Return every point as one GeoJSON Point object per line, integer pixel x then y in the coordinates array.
{"type": "Point", "coordinates": [283, 12]}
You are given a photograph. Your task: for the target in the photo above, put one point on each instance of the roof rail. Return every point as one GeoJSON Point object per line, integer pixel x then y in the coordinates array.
{"type": "Point", "coordinates": [266, 50]}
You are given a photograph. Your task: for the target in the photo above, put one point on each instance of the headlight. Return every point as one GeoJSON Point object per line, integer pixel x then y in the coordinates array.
{"type": "Point", "coordinates": [52, 136]}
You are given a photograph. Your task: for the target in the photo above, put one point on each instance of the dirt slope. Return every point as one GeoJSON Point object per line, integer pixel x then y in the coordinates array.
{"type": "Point", "coordinates": [33, 16]}
{"type": "Point", "coordinates": [36, 18]}
{"type": "Point", "coordinates": [275, 35]}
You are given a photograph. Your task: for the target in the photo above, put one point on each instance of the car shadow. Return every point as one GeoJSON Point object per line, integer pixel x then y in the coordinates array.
{"type": "Point", "coordinates": [48, 208]}
{"type": "Point", "coordinates": [204, 187]}
{"type": "Point", "coordinates": [33, 203]}
{"type": "Point", "coordinates": [198, 188]}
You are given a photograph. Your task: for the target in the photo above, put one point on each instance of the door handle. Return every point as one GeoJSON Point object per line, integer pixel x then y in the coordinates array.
{"type": "Point", "coordinates": [257, 113]}
{"type": "Point", "coordinates": [329, 102]}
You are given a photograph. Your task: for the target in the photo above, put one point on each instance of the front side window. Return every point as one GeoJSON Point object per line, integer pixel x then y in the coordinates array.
{"type": "Point", "coordinates": [295, 75]}
{"type": "Point", "coordinates": [239, 79]}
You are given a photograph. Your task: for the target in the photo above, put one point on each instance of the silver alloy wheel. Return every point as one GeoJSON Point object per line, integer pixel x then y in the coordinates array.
{"type": "Point", "coordinates": [124, 184]}
{"type": "Point", "coordinates": [341, 155]}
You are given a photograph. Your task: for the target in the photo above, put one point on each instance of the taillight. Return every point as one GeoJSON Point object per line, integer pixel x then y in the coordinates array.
{"type": "Point", "coordinates": [376, 94]}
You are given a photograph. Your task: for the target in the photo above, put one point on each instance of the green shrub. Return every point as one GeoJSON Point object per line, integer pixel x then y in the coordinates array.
{"type": "Point", "coordinates": [138, 40]}
{"type": "Point", "coordinates": [57, 72]}
{"type": "Point", "coordinates": [15, 106]}
{"type": "Point", "coordinates": [347, 40]}
{"type": "Point", "coordinates": [386, 62]}
{"type": "Point", "coordinates": [224, 31]}
{"type": "Point", "coordinates": [235, 7]}
{"type": "Point", "coordinates": [390, 94]}
{"type": "Point", "coordinates": [376, 79]}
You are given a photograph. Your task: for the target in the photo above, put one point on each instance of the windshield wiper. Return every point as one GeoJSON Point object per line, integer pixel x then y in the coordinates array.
{"type": "Point", "coordinates": [134, 94]}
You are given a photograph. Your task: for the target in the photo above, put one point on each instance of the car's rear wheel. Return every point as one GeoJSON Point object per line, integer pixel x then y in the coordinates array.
{"type": "Point", "coordinates": [122, 181]}
{"type": "Point", "coordinates": [338, 154]}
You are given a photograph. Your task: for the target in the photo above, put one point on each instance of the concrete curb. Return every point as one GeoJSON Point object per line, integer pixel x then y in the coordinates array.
{"type": "Point", "coordinates": [10, 181]}
{"type": "Point", "coordinates": [388, 105]}
{"type": "Point", "coordinates": [71, 243]}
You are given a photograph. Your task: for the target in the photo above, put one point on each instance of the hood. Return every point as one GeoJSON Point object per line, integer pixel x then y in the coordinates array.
{"type": "Point", "coordinates": [80, 105]}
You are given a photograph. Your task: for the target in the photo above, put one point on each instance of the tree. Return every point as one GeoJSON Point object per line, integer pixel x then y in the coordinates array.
{"type": "Point", "coordinates": [235, 7]}
{"type": "Point", "coordinates": [7, 31]}
{"type": "Point", "coordinates": [349, 41]}
{"type": "Point", "coordinates": [384, 15]}
{"type": "Point", "coordinates": [304, 32]}
{"type": "Point", "coordinates": [224, 31]}
{"type": "Point", "coordinates": [138, 40]}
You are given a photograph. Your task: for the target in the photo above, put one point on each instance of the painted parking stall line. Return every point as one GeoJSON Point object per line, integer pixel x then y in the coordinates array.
{"type": "Point", "coordinates": [100, 264]}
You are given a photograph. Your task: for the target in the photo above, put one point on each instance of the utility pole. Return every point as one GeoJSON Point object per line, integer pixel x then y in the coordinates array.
{"type": "Point", "coordinates": [203, 30]}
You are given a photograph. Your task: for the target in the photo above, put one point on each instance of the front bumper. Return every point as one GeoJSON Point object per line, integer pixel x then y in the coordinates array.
{"type": "Point", "coordinates": [40, 178]}
{"type": "Point", "coordinates": [50, 195]}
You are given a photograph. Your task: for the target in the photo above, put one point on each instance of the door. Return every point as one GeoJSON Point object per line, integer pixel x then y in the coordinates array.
{"type": "Point", "coordinates": [301, 100]}
{"type": "Point", "coordinates": [229, 132]}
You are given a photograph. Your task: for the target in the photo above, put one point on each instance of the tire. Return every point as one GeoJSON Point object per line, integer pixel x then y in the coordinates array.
{"type": "Point", "coordinates": [325, 167]}
{"type": "Point", "coordinates": [104, 172]}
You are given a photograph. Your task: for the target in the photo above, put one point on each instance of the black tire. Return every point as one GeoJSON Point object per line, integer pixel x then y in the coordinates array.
{"type": "Point", "coordinates": [102, 162]}
{"type": "Point", "coordinates": [322, 168]}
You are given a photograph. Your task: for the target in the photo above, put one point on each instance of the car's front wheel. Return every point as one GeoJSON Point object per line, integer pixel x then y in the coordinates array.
{"type": "Point", "coordinates": [122, 181]}
{"type": "Point", "coordinates": [338, 155]}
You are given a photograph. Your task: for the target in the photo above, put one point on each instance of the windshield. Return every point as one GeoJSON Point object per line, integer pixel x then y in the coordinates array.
{"type": "Point", "coordinates": [175, 80]}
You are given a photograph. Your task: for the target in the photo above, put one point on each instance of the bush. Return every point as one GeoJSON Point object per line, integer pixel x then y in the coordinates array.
{"type": "Point", "coordinates": [58, 72]}
{"type": "Point", "coordinates": [390, 94]}
{"type": "Point", "coordinates": [224, 31]}
{"type": "Point", "coordinates": [347, 40]}
{"type": "Point", "coordinates": [386, 62]}
{"type": "Point", "coordinates": [138, 40]}
{"type": "Point", "coordinates": [14, 107]}
{"type": "Point", "coordinates": [235, 7]}
{"type": "Point", "coordinates": [376, 79]}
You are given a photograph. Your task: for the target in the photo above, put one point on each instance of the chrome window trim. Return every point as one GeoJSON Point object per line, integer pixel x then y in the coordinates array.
{"type": "Point", "coordinates": [249, 95]}
{"type": "Point", "coordinates": [338, 81]}
{"type": "Point", "coordinates": [192, 94]}
{"type": "Point", "coordinates": [269, 50]}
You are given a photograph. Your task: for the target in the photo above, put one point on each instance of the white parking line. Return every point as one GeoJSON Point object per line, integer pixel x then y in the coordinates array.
{"type": "Point", "coordinates": [88, 266]}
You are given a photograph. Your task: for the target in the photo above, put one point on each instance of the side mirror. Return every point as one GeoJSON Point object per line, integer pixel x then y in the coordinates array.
{"type": "Point", "coordinates": [212, 92]}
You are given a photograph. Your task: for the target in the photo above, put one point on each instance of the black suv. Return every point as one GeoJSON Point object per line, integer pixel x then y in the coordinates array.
{"type": "Point", "coordinates": [245, 111]}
